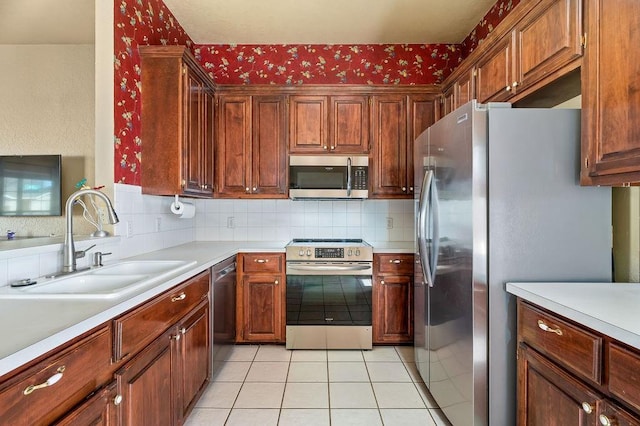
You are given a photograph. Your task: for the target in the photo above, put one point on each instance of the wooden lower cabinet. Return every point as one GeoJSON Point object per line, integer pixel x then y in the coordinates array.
{"type": "Point", "coordinates": [98, 410]}
{"type": "Point", "coordinates": [393, 299]}
{"type": "Point", "coordinates": [553, 386]}
{"type": "Point", "coordinates": [260, 294]}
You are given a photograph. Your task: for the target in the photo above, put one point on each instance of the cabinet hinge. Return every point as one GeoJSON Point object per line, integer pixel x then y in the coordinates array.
{"type": "Point", "coordinates": [586, 162]}
{"type": "Point", "coordinates": [583, 40]}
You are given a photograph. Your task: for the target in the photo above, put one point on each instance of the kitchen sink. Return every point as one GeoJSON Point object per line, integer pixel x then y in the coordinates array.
{"type": "Point", "coordinates": [107, 282]}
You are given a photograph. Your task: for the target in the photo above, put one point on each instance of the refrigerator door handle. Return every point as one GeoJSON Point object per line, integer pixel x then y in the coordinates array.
{"type": "Point", "coordinates": [435, 247]}
{"type": "Point", "coordinates": [423, 215]}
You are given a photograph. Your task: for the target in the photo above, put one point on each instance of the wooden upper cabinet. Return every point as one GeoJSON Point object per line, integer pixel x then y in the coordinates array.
{"type": "Point", "coordinates": [389, 130]}
{"type": "Point", "coordinates": [233, 145]}
{"type": "Point", "coordinates": [308, 122]}
{"type": "Point", "coordinates": [465, 88]}
{"type": "Point", "coordinates": [448, 101]}
{"type": "Point", "coordinates": [548, 38]}
{"type": "Point", "coordinates": [269, 148]}
{"type": "Point", "coordinates": [251, 146]}
{"type": "Point", "coordinates": [334, 124]}
{"type": "Point", "coordinates": [349, 122]}
{"type": "Point", "coordinates": [177, 124]}
{"type": "Point", "coordinates": [422, 114]}
{"type": "Point", "coordinates": [495, 72]}
{"type": "Point", "coordinates": [610, 93]}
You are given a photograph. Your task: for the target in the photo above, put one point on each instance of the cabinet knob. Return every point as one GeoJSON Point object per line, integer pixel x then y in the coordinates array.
{"type": "Point", "coordinates": [117, 400]}
{"type": "Point", "coordinates": [381, 282]}
{"type": "Point", "coordinates": [606, 421]}
{"type": "Point", "coordinates": [247, 189]}
{"type": "Point", "coordinates": [411, 189]}
{"type": "Point", "coordinates": [514, 84]}
{"type": "Point", "coordinates": [255, 189]}
{"type": "Point", "coordinates": [508, 88]}
{"type": "Point", "coordinates": [183, 330]}
{"type": "Point", "coordinates": [324, 147]}
{"type": "Point", "coordinates": [50, 381]}
{"type": "Point", "coordinates": [587, 408]}
{"type": "Point", "coordinates": [276, 282]}
{"type": "Point", "coordinates": [175, 337]}
{"type": "Point", "coordinates": [333, 147]}
{"type": "Point", "coordinates": [404, 189]}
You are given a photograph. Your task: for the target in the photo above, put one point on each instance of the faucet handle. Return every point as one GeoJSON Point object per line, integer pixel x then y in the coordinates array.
{"type": "Point", "coordinates": [97, 258]}
{"type": "Point", "coordinates": [81, 253]}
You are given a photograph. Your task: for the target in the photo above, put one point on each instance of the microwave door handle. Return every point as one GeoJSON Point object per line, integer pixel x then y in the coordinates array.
{"type": "Point", "coordinates": [349, 177]}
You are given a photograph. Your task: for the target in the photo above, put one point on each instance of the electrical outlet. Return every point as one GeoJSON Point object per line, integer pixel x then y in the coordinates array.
{"type": "Point", "coordinates": [389, 223]}
{"type": "Point", "coordinates": [158, 224]}
{"type": "Point", "coordinates": [231, 222]}
{"type": "Point", "coordinates": [129, 229]}
{"type": "Point", "coordinates": [102, 215]}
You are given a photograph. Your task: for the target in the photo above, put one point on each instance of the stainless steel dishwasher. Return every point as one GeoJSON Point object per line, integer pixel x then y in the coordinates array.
{"type": "Point", "coordinates": [224, 310]}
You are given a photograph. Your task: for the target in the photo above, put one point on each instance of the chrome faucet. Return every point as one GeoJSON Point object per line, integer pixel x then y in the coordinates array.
{"type": "Point", "coordinates": [69, 250]}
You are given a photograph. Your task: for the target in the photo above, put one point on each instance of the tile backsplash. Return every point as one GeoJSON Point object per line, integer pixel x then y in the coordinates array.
{"type": "Point", "coordinates": [147, 224]}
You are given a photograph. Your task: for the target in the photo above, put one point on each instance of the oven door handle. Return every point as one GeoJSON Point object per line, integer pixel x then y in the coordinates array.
{"type": "Point", "coordinates": [328, 268]}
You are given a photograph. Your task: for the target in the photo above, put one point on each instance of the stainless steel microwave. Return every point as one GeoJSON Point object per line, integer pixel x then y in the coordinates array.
{"type": "Point", "coordinates": [329, 176]}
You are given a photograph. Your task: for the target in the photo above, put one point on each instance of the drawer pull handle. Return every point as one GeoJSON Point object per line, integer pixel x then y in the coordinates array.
{"type": "Point", "coordinates": [179, 297]}
{"type": "Point", "coordinates": [606, 421]}
{"type": "Point", "coordinates": [50, 381]}
{"type": "Point", "coordinates": [261, 260]}
{"type": "Point", "coordinates": [396, 261]}
{"type": "Point", "coordinates": [543, 326]}
{"type": "Point", "coordinates": [587, 408]}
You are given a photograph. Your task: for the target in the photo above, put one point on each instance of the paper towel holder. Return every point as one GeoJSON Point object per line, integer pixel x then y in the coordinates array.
{"type": "Point", "coordinates": [177, 204]}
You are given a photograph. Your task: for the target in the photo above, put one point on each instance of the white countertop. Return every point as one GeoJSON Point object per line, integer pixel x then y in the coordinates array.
{"type": "Point", "coordinates": [610, 308]}
{"type": "Point", "coordinates": [392, 246]}
{"type": "Point", "coordinates": [34, 327]}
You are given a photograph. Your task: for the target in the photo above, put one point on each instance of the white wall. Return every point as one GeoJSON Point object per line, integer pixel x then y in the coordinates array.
{"type": "Point", "coordinates": [47, 107]}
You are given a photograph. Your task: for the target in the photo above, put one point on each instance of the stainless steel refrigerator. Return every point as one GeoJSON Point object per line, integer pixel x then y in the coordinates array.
{"type": "Point", "coordinates": [498, 201]}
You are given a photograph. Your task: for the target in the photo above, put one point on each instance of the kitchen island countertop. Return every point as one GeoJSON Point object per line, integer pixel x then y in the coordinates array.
{"type": "Point", "coordinates": [612, 309]}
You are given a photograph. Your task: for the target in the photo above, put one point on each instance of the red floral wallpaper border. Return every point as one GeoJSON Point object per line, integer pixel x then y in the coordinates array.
{"type": "Point", "coordinates": [491, 19]}
{"type": "Point", "coordinates": [329, 64]}
{"type": "Point", "coordinates": [149, 22]}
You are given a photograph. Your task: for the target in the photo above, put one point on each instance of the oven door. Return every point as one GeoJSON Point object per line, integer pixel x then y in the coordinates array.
{"type": "Point", "coordinates": [329, 293]}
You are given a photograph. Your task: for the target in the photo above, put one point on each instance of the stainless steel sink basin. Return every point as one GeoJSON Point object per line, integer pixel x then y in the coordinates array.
{"type": "Point", "coordinates": [107, 282]}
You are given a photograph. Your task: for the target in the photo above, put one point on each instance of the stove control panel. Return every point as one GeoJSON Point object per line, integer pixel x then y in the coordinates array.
{"type": "Point", "coordinates": [311, 253]}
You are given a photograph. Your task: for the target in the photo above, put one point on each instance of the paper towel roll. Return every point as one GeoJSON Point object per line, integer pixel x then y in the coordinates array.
{"type": "Point", "coordinates": [183, 210]}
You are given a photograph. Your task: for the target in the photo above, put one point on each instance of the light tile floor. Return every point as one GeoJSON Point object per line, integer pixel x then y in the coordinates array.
{"type": "Point", "coordinates": [268, 385]}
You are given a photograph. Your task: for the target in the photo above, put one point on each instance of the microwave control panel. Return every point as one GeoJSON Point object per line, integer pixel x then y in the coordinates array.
{"type": "Point", "coordinates": [360, 180]}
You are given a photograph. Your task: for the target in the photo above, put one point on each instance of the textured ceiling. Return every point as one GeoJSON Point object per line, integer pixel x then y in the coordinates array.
{"type": "Point", "coordinates": [260, 21]}
{"type": "Point", "coordinates": [328, 21]}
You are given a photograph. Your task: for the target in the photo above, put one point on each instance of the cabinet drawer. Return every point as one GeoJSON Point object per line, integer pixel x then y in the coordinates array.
{"type": "Point", "coordinates": [577, 349]}
{"type": "Point", "coordinates": [624, 374]}
{"type": "Point", "coordinates": [394, 263]}
{"type": "Point", "coordinates": [262, 262]}
{"type": "Point", "coordinates": [138, 328]}
{"type": "Point", "coordinates": [73, 374]}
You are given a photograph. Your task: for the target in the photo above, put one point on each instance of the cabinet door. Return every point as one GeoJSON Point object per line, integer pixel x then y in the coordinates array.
{"type": "Point", "coordinates": [349, 125]}
{"type": "Point", "coordinates": [550, 396]}
{"type": "Point", "coordinates": [389, 126]}
{"type": "Point", "coordinates": [393, 309]}
{"type": "Point", "coordinates": [194, 368]}
{"type": "Point", "coordinates": [262, 308]}
{"type": "Point", "coordinates": [208, 160]}
{"type": "Point", "coordinates": [269, 149]}
{"type": "Point", "coordinates": [548, 38]}
{"type": "Point", "coordinates": [448, 101]}
{"type": "Point", "coordinates": [610, 95]}
{"type": "Point", "coordinates": [98, 410]}
{"type": "Point", "coordinates": [146, 385]}
{"type": "Point", "coordinates": [308, 124]}
{"type": "Point", "coordinates": [193, 108]}
{"type": "Point", "coordinates": [495, 72]}
{"type": "Point", "coordinates": [465, 88]}
{"type": "Point", "coordinates": [233, 156]}
{"type": "Point", "coordinates": [421, 116]}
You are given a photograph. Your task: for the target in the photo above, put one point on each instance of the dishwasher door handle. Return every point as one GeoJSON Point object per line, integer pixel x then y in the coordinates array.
{"type": "Point", "coordinates": [226, 271]}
